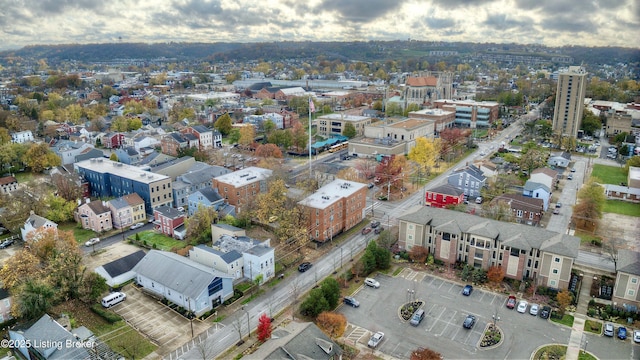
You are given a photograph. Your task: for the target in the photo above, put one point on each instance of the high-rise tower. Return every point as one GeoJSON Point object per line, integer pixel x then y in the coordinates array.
{"type": "Point", "coordinates": [572, 85]}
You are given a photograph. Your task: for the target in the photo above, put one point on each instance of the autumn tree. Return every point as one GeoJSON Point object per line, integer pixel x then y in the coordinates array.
{"type": "Point", "coordinates": [588, 211]}
{"type": "Point", "coordinates": [269, 150]}
{"type": "Point", "coordinates": [498, 210]}
{"type": "Point", "coordinates": [389, 170]}
{"type": "Point", "coordinates": [425, 153]}
{"type": "Point", "coordinates": [40, 156]}
{"type": "Point", "coordinates": [264, 328]}
{"type": "Point", "coordinates": [366, 167]}
{"type": "Point", "coordinates": [419, 254]}
{"type": "Point", "coordinates": [272, 202]}
{"type": "Point", "coordinates": [495, 274]}
{"type": "Point", "coordinates": [66, 187]}
{"type": "Point", "coordinates": [199, 225]}
{"type": "Point", "coordinates": [224, 124]}
{"type": "Point", "coordinates": [299, 136]}
{"type": "Point", "coordinates": [349, 130]}
{"type": "Point", "coordinates": [453, 139]}
{"type": "Point", "coordinates": [564, 299]}
{"type": "Point", "coordinates": [16, 208]}
{"type": "Point", "coordinates": [425, 354]}
{"type": "Point", "coordinates": [331, 323]}
{"type": "Point", "coordinates": [58, 209]}
{"type": "Point", "coordinates": [247, 136]}
{"type": "Point", "coordinates": [533, 159]}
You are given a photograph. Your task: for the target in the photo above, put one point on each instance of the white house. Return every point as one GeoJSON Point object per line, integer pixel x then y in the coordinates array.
{"type": "Point", "coordinates": [21, 137]}
{"type": "Point", "coordinates": [182, 281]}
{"type": "Point", "coordinates": [36, 222]}
{"type": "Point", "coordinates": [120, 271]}
{"type": "Point", "coordinates": [560, 160]}
{"type": "Point", "coordinates": [537, 191]}
{"type": "Point", "coordinates": [544, 176]}
{"type": "Point", "coordinates": [229, 263]}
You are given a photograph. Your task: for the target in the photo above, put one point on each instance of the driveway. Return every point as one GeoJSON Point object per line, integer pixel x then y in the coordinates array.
{"type": "Point", "coordinates": [441, 330]}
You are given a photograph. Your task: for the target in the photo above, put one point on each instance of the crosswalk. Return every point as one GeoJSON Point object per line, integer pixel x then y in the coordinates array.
{"type": "Point", "coordinates": [412, 275]}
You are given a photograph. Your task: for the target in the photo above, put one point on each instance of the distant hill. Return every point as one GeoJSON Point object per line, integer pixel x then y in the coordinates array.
{"type": "Point", "coordinates": [359, 51]}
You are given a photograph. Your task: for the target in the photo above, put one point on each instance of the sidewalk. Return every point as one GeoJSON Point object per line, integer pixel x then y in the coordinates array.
{"type": "Point", "coordinates": [577, 330]}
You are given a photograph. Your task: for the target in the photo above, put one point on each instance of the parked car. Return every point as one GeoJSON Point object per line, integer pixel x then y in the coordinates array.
{"type": "Point", "coordinates": [467, 290]}
{"type": "Point", "coordinates": [622, 333]}
{"type": "Point", "coordinates": [573, 169]}
{"type": "Point", "coordinates": [479, 200]}
{"type": "Point", "coordinates": [6, 243]}
{"type": "Point", "coordinates": [351, 301]}
{"type": "Point", "coordinates": [417, 317]}
{"type": "Point", "coordinates": [545, 312]}
{"type": "Point", "coordinates": [136, 226]}
{"type": "Point", "coordinates": [375, 339]}
{"type": "Point", "coordinates": [469, 322]}
{"type": "Point", "coordinates": [372, 282]}
{"type": "Point", "coordinates": [375, 224]}
{"type": "Point", "coordinates": [534, 309]}
{"type": "Point", "coordinates": [511, 302]}
{"type": "Point", "coordinates": [556, 211]}
{"type": "Point", "coordinates": [366, 230]}
{"type": "Point", "coordinates": [370, 185]}
{"type": "Point", "coordinates": [304, 266]}
{"type": "Point", "coordinates": [522, 306]}
{"type": "Point", "coordinates": [181, 209]}
{"type": "Point", "coordinates": [92, 241]}
{"type": "Point", "coordinates": [608, 329]}
{"type": "Point", "coordinates": [636, 336]}
{"type": "Point", "coordinates": [378, 230]}
{"type": "Point", "coordinates": [151, 219]}
{"type": "Point", "coordinates": [558, 205]}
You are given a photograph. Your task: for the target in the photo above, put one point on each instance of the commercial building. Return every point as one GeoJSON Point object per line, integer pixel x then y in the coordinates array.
{"type": "Point", "coordinates": [572, 86]}
{"type": "Point", "coordinates": [333, 124]}
{"type": "Point", "coordinates": [108, 178]}
{"type": "Point", "coordinates": [392, 137]}
{"type": "Point", "coordinates": [470, 113]}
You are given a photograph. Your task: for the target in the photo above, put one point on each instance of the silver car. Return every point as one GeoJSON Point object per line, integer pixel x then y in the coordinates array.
{"type": "Point", "coordinates": [534, 309]}
{"type": "Point", "coordinates": [608, 329]}
{"type": "Point", "coordinates": [376, 339]}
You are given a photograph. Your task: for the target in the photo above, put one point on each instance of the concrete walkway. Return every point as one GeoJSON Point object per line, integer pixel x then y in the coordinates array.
{"type": "Point", "coordinates": [575, 340]}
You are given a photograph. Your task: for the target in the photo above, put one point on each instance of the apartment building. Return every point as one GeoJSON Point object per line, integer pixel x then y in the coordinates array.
{"type": "Point", "coordinates": [333, 124]}
{"type": "Point", "coordinates": [569, 106]}
{"type": "Point", "coordinates": [524, 252]}
{"type": "Point", "coordinates": [334, 208]}
{"type": "Point", "coordinates": [241, 187]}
{"type": "Point", "coordinates": [108, 178]}
{"type": "Point", "coordinates": [471, 113]}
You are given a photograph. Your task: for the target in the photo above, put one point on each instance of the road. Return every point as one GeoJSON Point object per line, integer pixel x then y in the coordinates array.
{"type": "Point", "coordinates": [108, 241]}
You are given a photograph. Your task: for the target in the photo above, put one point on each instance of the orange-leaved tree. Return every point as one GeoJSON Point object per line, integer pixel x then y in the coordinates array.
{"type": "Point", "coordinates": [333, 324]}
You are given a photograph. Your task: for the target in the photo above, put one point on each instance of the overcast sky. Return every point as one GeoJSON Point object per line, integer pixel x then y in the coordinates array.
{"type": "Point", "coordinates": [548, 22]}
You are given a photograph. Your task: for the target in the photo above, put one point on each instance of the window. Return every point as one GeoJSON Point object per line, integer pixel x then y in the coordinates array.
{"type": "Point", "coordinates": [634, 280]}
{"type": "Point", "coordinates": [556, 259]}
{"type": "Point", "coordinates": [555, 271]}
{"type": "Point", "coordinates": [631, 292]}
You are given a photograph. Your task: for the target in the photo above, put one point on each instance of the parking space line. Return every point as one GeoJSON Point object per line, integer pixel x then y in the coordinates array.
{"type": "Point", "coordinates": [482, 296]}
{"type": "Point", "coordinates": [435, 320]}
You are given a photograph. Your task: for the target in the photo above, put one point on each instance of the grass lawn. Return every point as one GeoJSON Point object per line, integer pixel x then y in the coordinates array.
{"type": "Point", "coordinates": [621, 207]}
{"type": "Point", "coordinates": [587, 238]}
{"type": "Point", "coordinates": [593, 326]}
{"type": "Point", "coordinates": [566, 320]}
{"type": "Point", "coordinates": [81, 235]}
{"type": "Point", "coordinates": [609, 174]}
{"type": "Point", "coordinates": [161, 242]}
{"type": "Point", "coordinates": [559, 352]}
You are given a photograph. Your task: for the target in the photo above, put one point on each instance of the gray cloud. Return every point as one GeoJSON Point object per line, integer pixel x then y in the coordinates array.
{"type": "Point", "coordinates": [359, 11]}
{"type": "Point", "coordinates": [569, 23]}
{"type": "Point", "coordinates": [439, 23]}
{"type": "Point", "coordinates": [569, 6]}
{"type": "Point", "coordinates": [505, 22]}
{"type": "Point", "coordinates": [461, 3]}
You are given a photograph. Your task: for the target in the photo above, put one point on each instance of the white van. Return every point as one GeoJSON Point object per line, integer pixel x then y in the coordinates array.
{"type": "Point", "coordinates": [113, 298]}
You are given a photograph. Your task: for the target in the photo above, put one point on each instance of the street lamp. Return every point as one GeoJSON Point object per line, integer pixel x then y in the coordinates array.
{"type": "Point", "coordinates": [495, 319]}
{"type": "Point", "coordinates": [585, 346]}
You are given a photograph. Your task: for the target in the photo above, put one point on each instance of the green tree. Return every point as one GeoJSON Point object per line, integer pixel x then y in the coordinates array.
{"type": "Point", "coordinates": [113, 157]}
{"type": "Point", "coordinates": [199, 225]}
{"type": "Point", "coordinates": [331, 291]}
{"type": "Point", "coordinates": [234, 135]}
{"type": "Point", "coordinates": [590, 122]}
{"type": "Point", "coordinates": [533, 159]}
{"type": "Point", "coordinates": [223, 124]}
{"type": "Point", "coordinates": [40, 157]}
{"type": "Point", "coordinates": [633, 161]}
{"type": "Point", "coordinates": [58, 209]}
{"type": "Point", "coordinates": [349, 130]}
{"type": "Point", "coordinates": [315, 303]}
{"type": "Point", "coordinates": [268, 126]}
{"type": "Point", "coordinates": [34, 299]}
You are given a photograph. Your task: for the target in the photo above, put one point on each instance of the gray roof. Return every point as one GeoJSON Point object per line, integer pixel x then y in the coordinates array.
{"type": "Point", "coordinates": [300, 341]}
{"type": "Point", "coordinates": [629, 262]}
{"type": "Point", "coordinates": [201, 129]}
{"type": "Point", "coordinates": [169, 212]}
{"type": "Point", "coordinates": [227, 227]}
{"type": "Point", "coordinates": [201, 173]}
{"type": "Point", "coordinates": [523, 237]}
{"type": "Point", "coordinates": [176, 272]}
{"type": "Point", "coordinates": [37, 221]}
{"type": "Point", "coordinates": [210, 194]}
{"type": "Point", "coordinates": [531, 185]}
{"type": "Point", "coordinates": [228, 257]}
{"type": "Point", "coordinates": [259, 250]}
{"type": "Point", "coordinates": [48, 331]}
{"type": "Point", "coordinates": [241, 244]}
{"type": "Point", "coordinates": [447, 190]}
{"type": "Point", "coordinates": [119, 203]}
{"type": "Point", "coordinates": [471, 170]}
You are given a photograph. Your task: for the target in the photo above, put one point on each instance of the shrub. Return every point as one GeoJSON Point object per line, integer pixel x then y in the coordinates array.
{"type": "Point", "coordinates": [591, 312]}
{"type": "Point", "coordinates": [438, 262]}
{"type": "Point", "coordinates": [110, 317]}
{"type": "Point", "coordinates": [592, 302]}
{"type": "Point", "coordinates": [596, 242]}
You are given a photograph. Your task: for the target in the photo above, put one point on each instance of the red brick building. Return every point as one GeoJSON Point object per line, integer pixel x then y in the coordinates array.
{"type": "Point", "coordinates": [443, 196]}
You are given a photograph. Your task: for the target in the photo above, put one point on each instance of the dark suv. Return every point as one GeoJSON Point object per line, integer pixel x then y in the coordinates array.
{"type": "Point", "coordinates": [545, 312]}
{"type": "Point", "coordinates": [375, 224]}
{"type": "Point", "coordinates": [304, 266]}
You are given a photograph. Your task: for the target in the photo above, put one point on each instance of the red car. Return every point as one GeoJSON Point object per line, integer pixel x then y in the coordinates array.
{"type": "Point", "coordinates": [511, 302]}
{"type": "Point", "coordinates": [366, 230]}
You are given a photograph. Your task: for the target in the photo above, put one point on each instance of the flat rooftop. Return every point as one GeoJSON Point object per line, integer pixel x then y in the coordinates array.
{"type": "Point", "coordinates": [245, 176]}
{"type": "Point", "coordinates": [343, 117]}
{"type": "Point", "coordinates": [106, 166]}
{"type": "Point", "coordinates": [331, 193]}
{"type": "Point", "coordinates": [411, 123]}
{"type": "Point", "coordinates": [432, 112]}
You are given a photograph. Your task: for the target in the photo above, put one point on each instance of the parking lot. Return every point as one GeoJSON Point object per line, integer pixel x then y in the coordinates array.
{"type": "Point", "coordinates": [441, 330]}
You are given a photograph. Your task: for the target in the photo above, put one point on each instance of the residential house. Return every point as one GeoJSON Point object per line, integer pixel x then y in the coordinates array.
{"type": "Point", "coordinates": [94, 215]}
{"type": "Point", "coordinates": [119, 271]}
{"type": "Point", "coordinates": [6, 301]}
{"type": "Point", "coordinates": [524, 209]}
{"type": "Point", "coordinates": [626, 292]}
{"type": "Point", "coordinates": [545, 176]}
{"type": "Point", "coordinates": [183, 282]}
{"type": "Point", "coordinates": [207, 138]}
{"type": "Point", "coordinates": [488, 168]}
{"type": "Point", "coordinates": [219, 229]}
{"type": "Point", "coordinates": [469, 179]}
{"type": "Point", "coordinates": [169, 221]}
{"type": "Point", "coordinates": [256, 258]}
{"type": "Point", "coordinates": [239, 187]}
{"type": "Point", "coordinates": [42, 339]}
{"type": "Point", "coordinates": [537, 191]}
{"type": "Point", "coordinates": [35, 223]}
{"type": "Point", "coordinates": [560, 160]}
{"type": "Point", "coordinates": [207, 197]}
{"type": "Point", "coordinates": [172, 143]}
{"type": "Point", "coordinates": [443, 196]}
{"type": "Point", "coordinates": [142, 142]}
{"type": "Point", "coordinates": [127, 210]}
{"type": "Point", "coordinates": [8, 184]}
{"type": "Point", "coordinates": [88, 153]}
{"type": "Point", "coordinates": [112, 140]}
{"type": "Point", "coordinates": [69, 150]}
{"type": "Point", "coordinates": [334, 208]}
{"type": "Point", "coordinates": [128, 155]}
{"type": "Point", "coordinates": [197, 177]}
{"type": "Point", "coordinates": [108, 178]}
{"type": "Point", "coordinates": [618, 192]}
{"type": "Point", "coordinates": [22, 137]}
{"type": "Point", "coordinates": [299, 341]}
{"type": "Point", "coordinates": [524, 252]}
{"type": "Point", "coordinates": [633, 177]}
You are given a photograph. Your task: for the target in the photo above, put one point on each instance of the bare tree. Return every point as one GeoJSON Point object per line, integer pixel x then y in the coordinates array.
{"type": "Point", "coordinates": [612, 247]}
{"type": "Point", "coordinates": [237, 324]}
{"type": "Point", "coordinates": [206, 350]}
{"type": "Point", "coordinates": [295, 292]}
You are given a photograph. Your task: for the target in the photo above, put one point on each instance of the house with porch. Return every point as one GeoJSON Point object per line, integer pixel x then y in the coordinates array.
{"type": "Point", "coordinates": [94, 215]}
{"type": "Point", "coordinates": [169, 221]}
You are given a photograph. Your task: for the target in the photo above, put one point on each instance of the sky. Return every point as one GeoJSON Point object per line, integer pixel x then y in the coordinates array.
{"type": "Point", "coordinates": [546, 22]}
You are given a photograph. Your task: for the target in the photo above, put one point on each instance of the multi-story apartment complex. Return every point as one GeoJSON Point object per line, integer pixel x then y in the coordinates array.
{"type": "Point", "coordinates": [334, 208]}
{"type": "Point", "coordinates": [470, 113]}
{"type": "Point", "coordinates": [524, 252]}
{"type": "Point", "coordinates": [572, 86]}
{"type": "Point", "coordinates": [240, 187]}
{"type": "Point", "coordinates": [333, 124]}
{"type": "Point", "coordinates": [108, 178]}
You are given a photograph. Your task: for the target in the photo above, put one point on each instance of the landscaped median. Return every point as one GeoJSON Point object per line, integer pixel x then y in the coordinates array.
{"type": "Point", "coordinates": [557, 351]}
{"type": "Point", "coordinates": [565, 319]}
